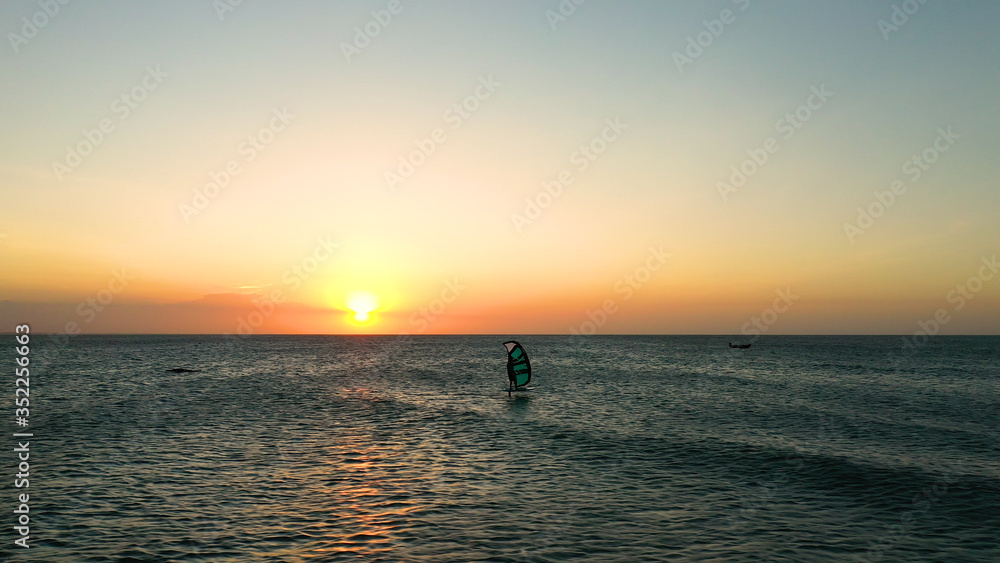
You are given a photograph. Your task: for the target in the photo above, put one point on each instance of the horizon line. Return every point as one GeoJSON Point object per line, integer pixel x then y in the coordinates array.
{"type": "Point", "coordinates": [756, 337]}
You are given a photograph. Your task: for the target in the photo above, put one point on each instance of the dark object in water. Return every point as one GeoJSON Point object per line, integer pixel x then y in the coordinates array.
{"type": "Point", "coordinates": [731, 345]}
{"type": "Point", "coordinates": [182, 370]}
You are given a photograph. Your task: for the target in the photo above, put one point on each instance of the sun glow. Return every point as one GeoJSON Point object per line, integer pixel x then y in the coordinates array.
{"type": "Point", "coordinates": [362, 304]}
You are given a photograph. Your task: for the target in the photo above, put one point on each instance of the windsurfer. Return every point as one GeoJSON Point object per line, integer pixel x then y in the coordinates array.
{"type": "Point", "coordinates": [518, 367]}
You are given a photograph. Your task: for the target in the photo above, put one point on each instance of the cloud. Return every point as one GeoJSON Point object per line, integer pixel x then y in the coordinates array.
{"type": "Point", "coordinates": [211, 314]}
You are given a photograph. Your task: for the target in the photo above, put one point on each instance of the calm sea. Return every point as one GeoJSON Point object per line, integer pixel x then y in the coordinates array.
{"type": "Point", "coordinates": [628, 449]}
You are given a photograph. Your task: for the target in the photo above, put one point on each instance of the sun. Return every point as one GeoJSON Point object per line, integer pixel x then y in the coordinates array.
{"type": "Point", "coordinates": [362, 304]}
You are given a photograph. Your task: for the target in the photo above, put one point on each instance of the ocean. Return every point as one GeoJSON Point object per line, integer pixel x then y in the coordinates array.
{"type": "Point", "coordinates": [629, 448]}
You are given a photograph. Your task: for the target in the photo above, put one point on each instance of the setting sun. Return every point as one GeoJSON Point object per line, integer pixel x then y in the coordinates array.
{"type": "Point", "coordinates": [362, 304]}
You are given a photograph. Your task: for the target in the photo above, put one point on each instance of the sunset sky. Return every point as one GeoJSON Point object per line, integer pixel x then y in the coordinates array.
{"type": "Point", "coordinates": [273, 167]}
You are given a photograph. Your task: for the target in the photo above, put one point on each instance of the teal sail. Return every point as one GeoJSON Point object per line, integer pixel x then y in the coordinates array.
{"type": "Point", "coordinates": [518, 366]}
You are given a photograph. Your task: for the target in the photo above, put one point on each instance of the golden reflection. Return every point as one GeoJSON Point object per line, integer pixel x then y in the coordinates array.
{"type": "Point", "coordinates": [367, 506]}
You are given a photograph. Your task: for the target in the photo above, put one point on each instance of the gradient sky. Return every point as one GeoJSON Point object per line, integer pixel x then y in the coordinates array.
{"type": "Point", "coordinates": [442, 251]}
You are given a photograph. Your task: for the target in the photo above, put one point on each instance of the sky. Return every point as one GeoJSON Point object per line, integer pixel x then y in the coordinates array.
{"type": "Point", "coordinates": [732, 167]}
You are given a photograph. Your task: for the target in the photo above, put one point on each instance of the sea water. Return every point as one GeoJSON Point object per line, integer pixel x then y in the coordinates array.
{"type": "Point", "coordinates": [658, 448]}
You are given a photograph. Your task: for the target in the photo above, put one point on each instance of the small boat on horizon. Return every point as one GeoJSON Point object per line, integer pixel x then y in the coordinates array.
{"type": "Point", "coordinates": [743, 346]}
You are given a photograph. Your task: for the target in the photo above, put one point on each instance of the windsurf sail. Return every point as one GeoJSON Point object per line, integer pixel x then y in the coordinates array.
{"type": "Point", "coordinates": [518, 366]}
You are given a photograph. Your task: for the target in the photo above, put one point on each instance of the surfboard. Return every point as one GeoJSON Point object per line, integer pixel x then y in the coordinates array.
{"type": "Point", "coordinates": [518, 390]}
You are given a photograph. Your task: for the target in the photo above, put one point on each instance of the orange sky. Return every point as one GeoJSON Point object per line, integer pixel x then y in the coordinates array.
{"type": "Point", "coordinates": [477, 171]}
